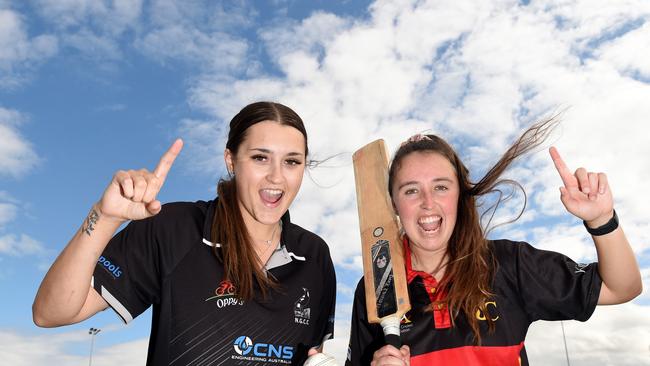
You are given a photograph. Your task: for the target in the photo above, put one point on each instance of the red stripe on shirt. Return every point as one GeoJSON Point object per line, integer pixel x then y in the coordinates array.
{"type": "Point", "coordinates": [472, 356]}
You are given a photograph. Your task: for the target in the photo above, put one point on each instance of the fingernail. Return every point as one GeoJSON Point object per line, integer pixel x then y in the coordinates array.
{"type": "Point", "coordinates": [586, 190]}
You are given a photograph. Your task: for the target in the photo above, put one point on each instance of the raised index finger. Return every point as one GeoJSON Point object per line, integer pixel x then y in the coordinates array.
{"type": "Point", "coordinates": [167, 160]}
{"type": "Point", "coordinates": [567, 177]}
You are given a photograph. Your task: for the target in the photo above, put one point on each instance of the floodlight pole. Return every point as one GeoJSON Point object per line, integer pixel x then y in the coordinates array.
{"type": "Point", "coordinates": [93, 332]}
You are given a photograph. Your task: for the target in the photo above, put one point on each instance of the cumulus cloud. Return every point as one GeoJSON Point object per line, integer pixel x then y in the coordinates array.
{"type": "Point", "coordinates": [613, 336]}
{"type": "Point", "coordinates": [203, 34]}
{"type": "Point", "coordinates": [8, 208]}
{"type": "Point", "coordinates": [20, 52]}
{"type": "Point", "coordinates": [26, 350]}
{"type": "Point", "coordinates": [17, 155]}
{"type": "Point", "coordinates": [477, 74]}
{"type": "Point", "coordinates": [111, 17]}
{"type": "Point", "coordinates": [17, 246]}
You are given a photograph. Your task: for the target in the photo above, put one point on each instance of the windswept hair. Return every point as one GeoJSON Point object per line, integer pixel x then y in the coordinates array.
{"type": "Point", "coordinates": [471, 266]}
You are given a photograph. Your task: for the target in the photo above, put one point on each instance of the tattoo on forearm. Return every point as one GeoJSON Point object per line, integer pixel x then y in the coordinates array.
{"type": "Point", "coordinates": [91, 220]}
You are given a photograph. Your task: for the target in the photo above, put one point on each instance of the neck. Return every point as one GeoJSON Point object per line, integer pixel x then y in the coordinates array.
{"type": "Point", "coordinates": [431, 262]}
{"type": "Point", "coordinates": [260, 232]}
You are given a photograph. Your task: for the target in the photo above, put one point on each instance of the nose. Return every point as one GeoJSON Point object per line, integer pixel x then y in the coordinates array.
{"type": "Point", "coordinates": [427, 200]}
{"type": "Point", "coordinates": [275, 173]}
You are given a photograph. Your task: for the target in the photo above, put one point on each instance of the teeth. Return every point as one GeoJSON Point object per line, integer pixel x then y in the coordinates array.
{"type": "Point", "coordinates": [429, 219]}
{"type": "Point", "coordinates": [273, 192]}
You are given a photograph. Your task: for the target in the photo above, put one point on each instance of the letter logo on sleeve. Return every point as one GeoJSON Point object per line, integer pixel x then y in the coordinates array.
{"type": "Point", "coordinates": [109, 267]}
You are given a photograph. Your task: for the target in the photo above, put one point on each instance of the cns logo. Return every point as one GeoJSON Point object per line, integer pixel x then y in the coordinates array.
{"type": "Point", "coordinates": [114, 270]}
{"type": "Point", "coordinates": [245, 347]}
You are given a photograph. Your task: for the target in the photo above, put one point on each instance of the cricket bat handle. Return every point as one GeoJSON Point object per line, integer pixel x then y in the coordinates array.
{"type": "Point", "coordinates": [390, 326]}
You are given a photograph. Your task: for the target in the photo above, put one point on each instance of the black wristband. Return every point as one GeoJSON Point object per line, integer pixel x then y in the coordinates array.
{"type": "Point", "coordinates": [606, 228]}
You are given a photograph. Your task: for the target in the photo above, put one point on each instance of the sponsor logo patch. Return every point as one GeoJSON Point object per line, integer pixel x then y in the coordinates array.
{"type": "Point", "coordinates": [224, 296]}
{"type": "Point", "coordinates": [247, 350]}
{"type": "Point", "coordinates": [580, 267]}
{"type": "Point", "coordinates": [112, 269]}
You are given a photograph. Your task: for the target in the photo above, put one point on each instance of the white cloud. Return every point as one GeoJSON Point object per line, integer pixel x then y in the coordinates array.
{"type": "Point", "coordinates": [17, 156]}
{"type": "Point", "coordinates": [17, 246]}
{"type": "Point", "coordinates": [7, 213]}
{"type": "Point", "coordinates": [431, 65]}
{"type": "Point", "coordinates": [615, 335]}
{"type": "Point", "coordinates": [213, 51]}
{"type": "Point", "coordinates": [23, 350]}
{"type": "Point", "coordinates": [477, 74]}
{"type": "Point", "coordinates": [20, 53]}
{"type": "Point", "coordinates": [94, 46]}
{"type": "Point", "coordinates": [111, 17]}
{"type": "Point", "coordinates": [202, 33]}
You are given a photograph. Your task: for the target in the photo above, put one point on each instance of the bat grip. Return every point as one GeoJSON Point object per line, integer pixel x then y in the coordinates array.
{"type": "Point", "coordinates": [390, 326]}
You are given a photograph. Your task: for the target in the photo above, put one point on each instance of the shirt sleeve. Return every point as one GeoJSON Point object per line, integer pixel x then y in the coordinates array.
{"type": "Point", "coordinates": [554, 287]}
{"type": "Point", "coordinates": [131, 269]}
{"type": "Point", "coordinates": [126, 275]}
{"type": "Point", "coordinates": [365, 338]}
{"type": "Point", "coordinates": [325, 323]}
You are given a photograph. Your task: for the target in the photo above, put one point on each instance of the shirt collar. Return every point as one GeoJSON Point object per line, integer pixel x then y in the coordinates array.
{"type": "Point", "coordinates": [209, 217]}
{"type": "Point", "coordinates": [411, 274]}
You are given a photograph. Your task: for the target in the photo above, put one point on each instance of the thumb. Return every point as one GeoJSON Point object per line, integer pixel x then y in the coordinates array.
{"type": "Point", "coordinates": [154, 207]}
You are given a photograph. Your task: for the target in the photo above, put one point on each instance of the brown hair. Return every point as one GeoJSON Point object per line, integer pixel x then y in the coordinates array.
{"type": "Point", "coordinates": [241, 263]}
{"type": "Point", "coordinates": [471, 266]}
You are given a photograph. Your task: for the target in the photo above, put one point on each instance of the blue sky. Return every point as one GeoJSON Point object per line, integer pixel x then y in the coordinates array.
{"type": "Point", "coordinates": [88, 87]}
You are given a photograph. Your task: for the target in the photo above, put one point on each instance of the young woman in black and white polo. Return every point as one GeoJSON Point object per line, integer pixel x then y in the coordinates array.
{"type": "Point", "coordinates": [231, 281]}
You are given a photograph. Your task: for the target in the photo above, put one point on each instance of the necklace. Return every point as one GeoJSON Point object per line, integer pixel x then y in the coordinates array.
{"type": "Point", "coordinates": [262, 253]}
{"type": "Point", "coordinates": [268, 242]}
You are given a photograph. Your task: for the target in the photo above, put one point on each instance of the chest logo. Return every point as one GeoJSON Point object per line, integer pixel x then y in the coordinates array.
{"type": "Point", "coordinates": [301, 310]}
{"type": "Point", "coordinates": [580, 267]}
{"type": "Point", "coordinates": [481, 316]}
{"type": "Point", "coordinates": [224, 295]}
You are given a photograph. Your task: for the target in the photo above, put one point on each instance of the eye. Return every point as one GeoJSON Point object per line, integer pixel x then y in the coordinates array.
{"type": "Point", "coordinates": [259, 157]}
{"type": "Point", "coordinates": [440, 188]}
{"type": "Point", "coordinates": [293, 162]}
{"type": "Point", "coordinates": [410, 191]}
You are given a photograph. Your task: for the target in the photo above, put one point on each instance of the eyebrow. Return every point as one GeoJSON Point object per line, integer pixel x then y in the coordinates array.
{"type": "Point", "coordinates": [444, 179]}
{"type": "Point", "coordinates": [267, 151]}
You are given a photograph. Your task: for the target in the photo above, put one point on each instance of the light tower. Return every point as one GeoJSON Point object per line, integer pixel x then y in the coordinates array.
{"type": "Point", "coordinates": [93, 332]}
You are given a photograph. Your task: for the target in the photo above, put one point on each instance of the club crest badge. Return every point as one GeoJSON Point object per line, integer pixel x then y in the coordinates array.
{"type": "Point", "coordinates": [301, 310]}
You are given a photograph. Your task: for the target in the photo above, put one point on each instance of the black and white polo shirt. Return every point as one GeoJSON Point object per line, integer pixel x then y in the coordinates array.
{"type": "Point", "coordinates": [168, 261]}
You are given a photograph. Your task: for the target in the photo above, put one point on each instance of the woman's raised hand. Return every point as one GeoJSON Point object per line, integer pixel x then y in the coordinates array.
{"type": "Point", "coordinates": [131, 195]}
{"type": "Point", "coordinates": [585, 194]}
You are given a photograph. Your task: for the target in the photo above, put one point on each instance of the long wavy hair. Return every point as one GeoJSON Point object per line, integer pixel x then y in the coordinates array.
{"type": "Point", "coordinates": [471, 265]}
{"type": "Point", "coordinates": [240, 261]}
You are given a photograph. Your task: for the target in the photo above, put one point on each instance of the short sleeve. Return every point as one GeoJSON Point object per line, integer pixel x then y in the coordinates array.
{"type": "Point", "coordinates": [554, 287]}
{"type": "Point", "coordinates": [127, 275]}
{"type": "Point", "coordinates": [131, 269]}
{"type": "Point", "coordinates": [325, 323]}
{"type": "Point", "coordinates": [365, 338]}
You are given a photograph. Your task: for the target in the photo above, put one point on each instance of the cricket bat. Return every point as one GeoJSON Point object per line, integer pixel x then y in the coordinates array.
{"type": "Point", "coordinates": [384, 272]}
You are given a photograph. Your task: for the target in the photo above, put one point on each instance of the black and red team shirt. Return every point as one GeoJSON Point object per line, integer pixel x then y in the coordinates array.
{"type": "Point", "coordinates": [529, 285]}
{"type": "Point", "coordinates": [168, 261]}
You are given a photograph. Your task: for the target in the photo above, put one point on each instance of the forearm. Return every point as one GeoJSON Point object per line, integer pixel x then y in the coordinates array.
{"type": "Point", "coordinates": [618, 268]}
{"type": "Point", "coordinates": [64, 289]}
